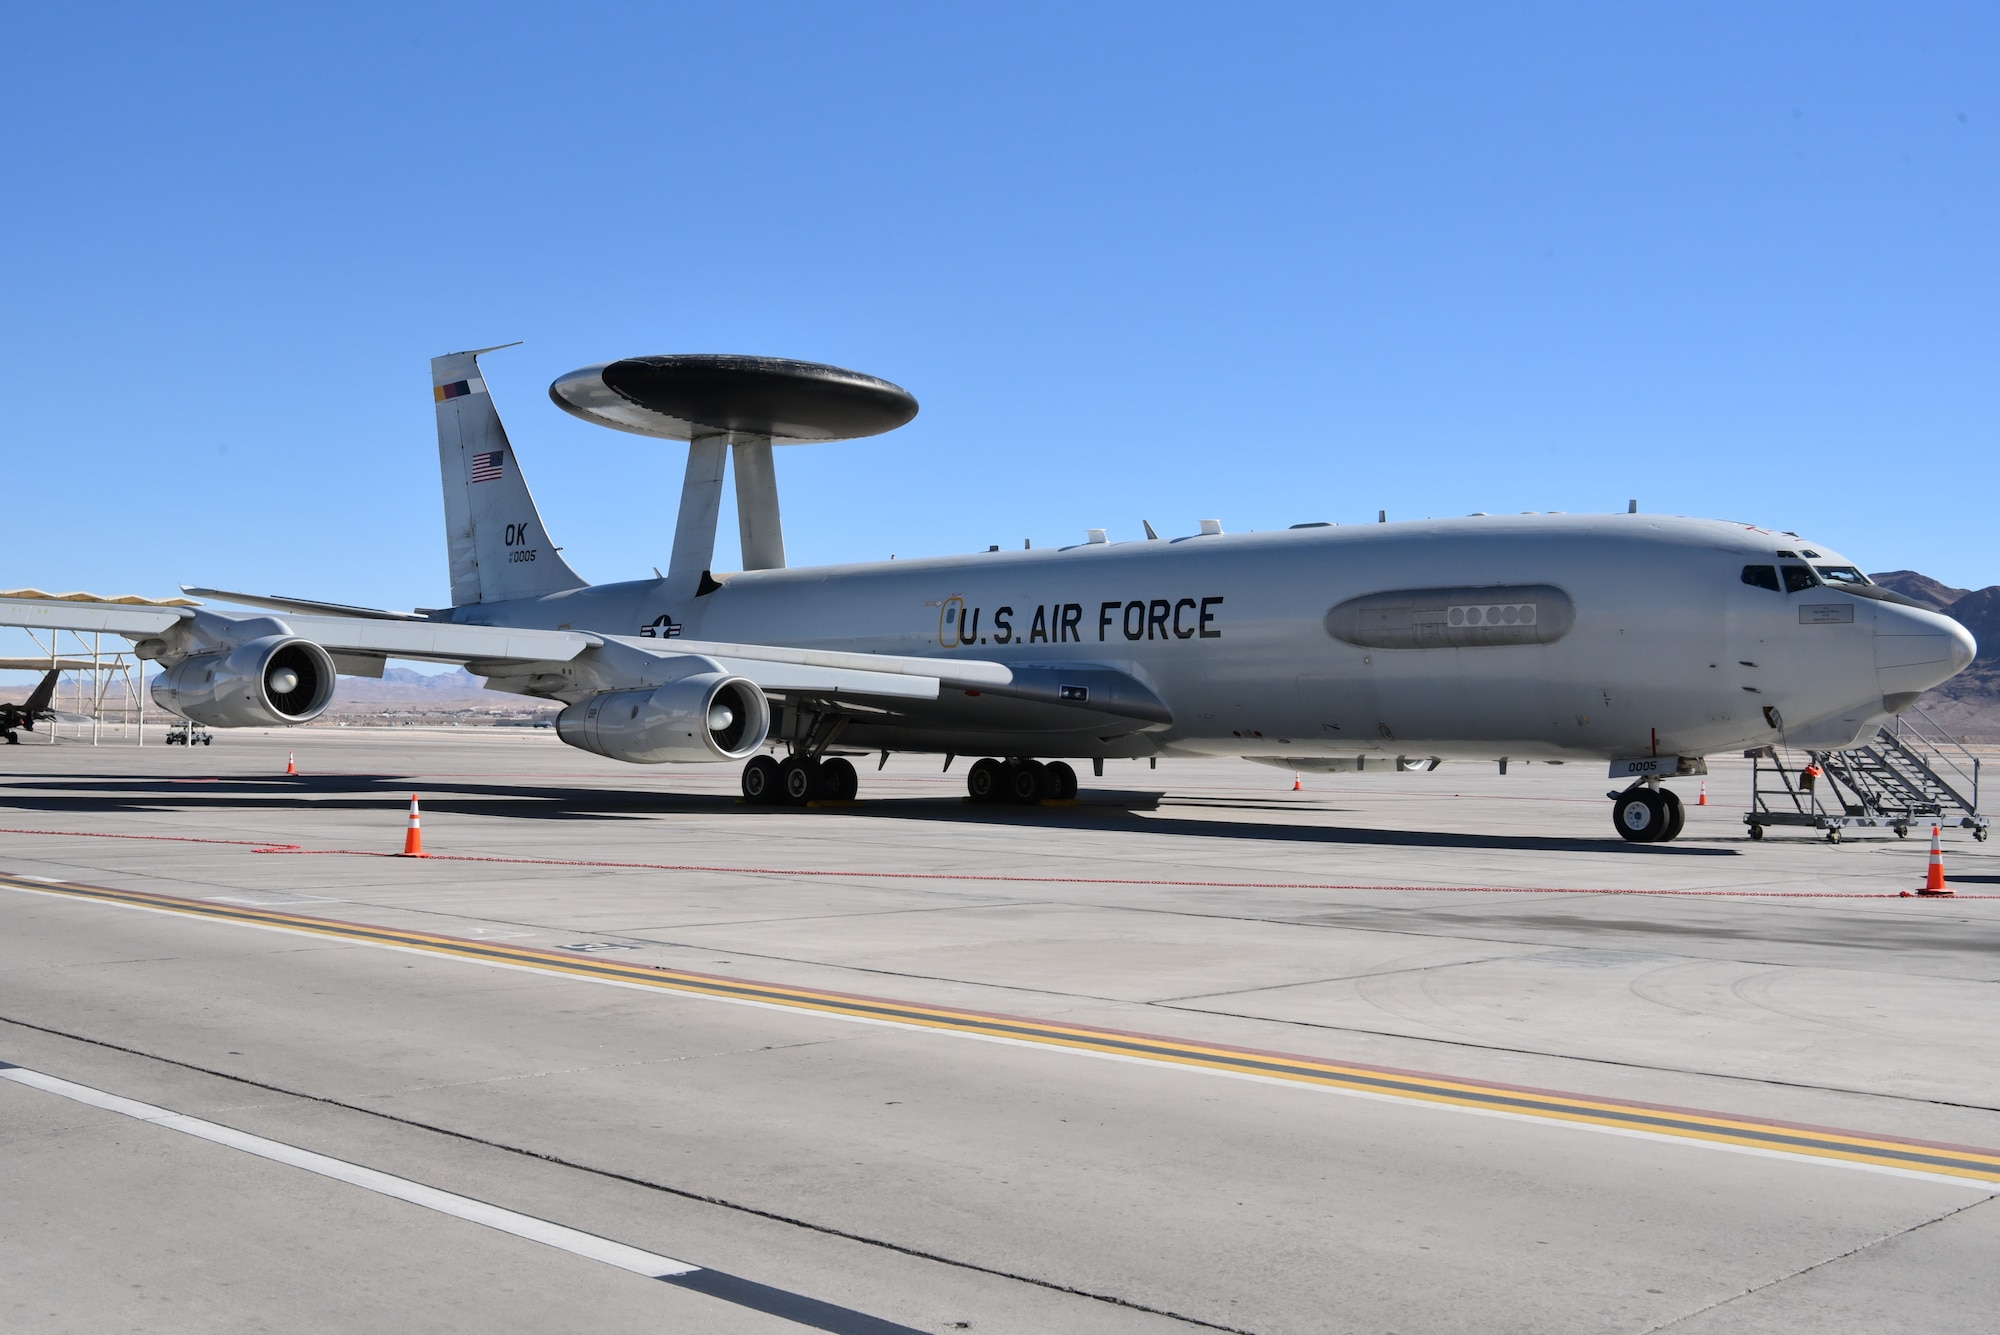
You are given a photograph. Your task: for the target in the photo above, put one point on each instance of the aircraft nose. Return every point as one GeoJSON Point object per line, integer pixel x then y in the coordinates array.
{"type": "Point", "coordinates": [1916, 649]}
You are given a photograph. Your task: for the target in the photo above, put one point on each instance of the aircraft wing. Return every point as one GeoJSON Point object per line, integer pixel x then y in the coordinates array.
{"type": "Point", "coordinates": [773, 667]}
{"type": "Point", "coordinates": [135, 620]}
{"type": "Point", "coordinates": [357, 641]}
{"type": "Point", "coordinates": [791, 678]}
{"type": "Point", "coordinates": [275, 603]}
{"type": "Point", "coordinates": [972, 672]}
{"type": "Point", "coordinates": [441, 641]}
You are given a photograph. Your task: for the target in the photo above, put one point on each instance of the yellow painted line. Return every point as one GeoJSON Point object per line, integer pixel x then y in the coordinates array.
{"type": "Point", "coordinates": [1890, 1153]}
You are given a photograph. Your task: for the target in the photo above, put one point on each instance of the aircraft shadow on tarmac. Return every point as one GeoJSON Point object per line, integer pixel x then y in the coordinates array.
{"type": "Point", "coordinates": [1110, 810]}
{"type": "Point", "coordinates": [1105, 812]}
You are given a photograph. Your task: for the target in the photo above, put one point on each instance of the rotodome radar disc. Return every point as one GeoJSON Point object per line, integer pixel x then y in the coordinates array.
{"type": "Point", "coordinates": [685, 395]}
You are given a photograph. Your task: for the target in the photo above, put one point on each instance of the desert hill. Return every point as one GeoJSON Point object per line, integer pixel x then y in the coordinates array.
{"type": "Point", "coordinates": [1923, 588]}
{"type": "Point", "coordinates": [401, 695]}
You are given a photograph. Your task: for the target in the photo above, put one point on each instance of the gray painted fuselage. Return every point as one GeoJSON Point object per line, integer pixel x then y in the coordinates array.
{"type": "Point", "coordinates": [1670, 652]}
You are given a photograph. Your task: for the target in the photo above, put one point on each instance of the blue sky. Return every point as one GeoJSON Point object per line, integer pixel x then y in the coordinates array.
{"type": "Point", "coordinates": [1265, 264]}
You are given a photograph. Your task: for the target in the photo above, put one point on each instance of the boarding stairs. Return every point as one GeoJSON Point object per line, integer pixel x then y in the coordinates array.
{"type": "Point", "coordinates": [1910, 773]}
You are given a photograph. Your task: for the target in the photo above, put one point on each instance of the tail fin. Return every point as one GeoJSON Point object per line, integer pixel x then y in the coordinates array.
{"type": "Point", "coordinates": [41, 698]}
{"type": "Point", "coordinates": [499, 548]}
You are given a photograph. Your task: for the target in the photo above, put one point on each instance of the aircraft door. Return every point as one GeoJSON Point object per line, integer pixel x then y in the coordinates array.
{"type": "Point", "coordinates": [952, 629]}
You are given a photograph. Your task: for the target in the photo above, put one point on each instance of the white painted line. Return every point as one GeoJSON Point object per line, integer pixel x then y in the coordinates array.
{"type": "Point", "coordinates": [574, 1241]}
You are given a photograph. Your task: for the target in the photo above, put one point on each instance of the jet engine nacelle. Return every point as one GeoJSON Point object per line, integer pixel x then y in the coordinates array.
{"type": "Point", "coordinates": [711, 716]}
{"type": "Point", "coordinates": [276, 680]}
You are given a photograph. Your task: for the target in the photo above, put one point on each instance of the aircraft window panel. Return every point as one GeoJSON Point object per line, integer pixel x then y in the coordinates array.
{"type": "Point", "coordinates": [1839, 575]}
{"type": "Point", "coordinates": [1799, 578]}
{"type": "Point", "coordinates": [1761, 577]}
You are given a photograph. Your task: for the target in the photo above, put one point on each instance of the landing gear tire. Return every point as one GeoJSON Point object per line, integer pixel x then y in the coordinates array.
{"type": "Point", "coordinates": [796, 780]}
{"type": "Point", "coordinates": [838, 780]}
{"type": "Point", "coordinates": [1024, 784]}
{"type": "Point", "coordinates": [1639, 815]}
{"type": "Point", "coordinates": [1064, 781]}
{"type": "Point", "coordinates": [984, 781]}
{"type": "Point", "coordinates": [1676, 817]}
{"type": "Point", "coordinates": [13, 738]}
{"type": "Point", "coordinates": [761, 784]}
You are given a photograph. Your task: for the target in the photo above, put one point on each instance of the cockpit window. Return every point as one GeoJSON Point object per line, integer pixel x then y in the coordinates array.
{"type": "Point", "coordinates": [1841, 575]}
{"type": "Point", "coordinates": [1761, 577]}
{"type": "Point", "coordinates": [1798, 578]}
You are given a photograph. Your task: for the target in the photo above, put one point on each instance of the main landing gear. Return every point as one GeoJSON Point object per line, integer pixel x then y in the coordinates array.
{"type": "Point", "coordinates": [798, 780]}
{"type": "Point", "coordinates": [1020, 781]}
{"type": "Point", "coordinates": [1647, 815]}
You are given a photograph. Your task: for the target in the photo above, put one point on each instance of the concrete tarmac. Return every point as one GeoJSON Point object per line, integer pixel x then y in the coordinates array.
{"type": "Point", "coordinates": [870, 1177]}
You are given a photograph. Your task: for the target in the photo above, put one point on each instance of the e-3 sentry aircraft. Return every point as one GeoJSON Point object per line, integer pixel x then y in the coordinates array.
{"type": "Point", "coordinates": [1646, 641]}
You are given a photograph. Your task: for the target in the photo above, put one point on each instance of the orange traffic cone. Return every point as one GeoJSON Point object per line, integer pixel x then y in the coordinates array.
{"type": "Point", "coordinates": [1296, 785]}
{"type": "Point", "coordinates": [1934, 886]}
{"type": "Point", "coordinates": [413, 842]}
{"type": "Point", "coordinates": [1702, 800]}
{"type": "Point", "coordinates": [291, 765]}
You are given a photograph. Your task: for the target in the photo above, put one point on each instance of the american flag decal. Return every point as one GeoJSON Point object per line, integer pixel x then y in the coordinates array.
{"type": "Point", "coordinates": [486, 467]}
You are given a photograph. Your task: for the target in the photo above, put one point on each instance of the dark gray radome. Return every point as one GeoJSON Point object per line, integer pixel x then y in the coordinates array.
{"type": "Point", "coordinates": [691, 394]}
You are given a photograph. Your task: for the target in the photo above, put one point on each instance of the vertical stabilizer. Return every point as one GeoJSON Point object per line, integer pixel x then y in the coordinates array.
{"type": "Point", "coordinates": [41, 699]}
{"type": "Point", "coordinates": [498, 546]}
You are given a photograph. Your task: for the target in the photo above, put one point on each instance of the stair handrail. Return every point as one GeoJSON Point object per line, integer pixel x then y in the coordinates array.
{"type": "Point", "coordinates": [1938, 744]}
{"type": "Point", "coordinates": [1919, 791]}
{"type": "Point", "coordinates": [1937, 748]}
{"type": "Point", "coordinates": [1873, 796]}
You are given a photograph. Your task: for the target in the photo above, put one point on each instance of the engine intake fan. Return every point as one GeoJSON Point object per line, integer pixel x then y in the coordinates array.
{"type": "Point", "coordinates": [708, 717]}
{"type": "Point", "coordinates": [274, 681]}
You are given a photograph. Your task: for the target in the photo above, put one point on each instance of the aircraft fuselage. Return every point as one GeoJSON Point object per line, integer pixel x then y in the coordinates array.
{"type": "Point", "coordinates": [1636, 635]}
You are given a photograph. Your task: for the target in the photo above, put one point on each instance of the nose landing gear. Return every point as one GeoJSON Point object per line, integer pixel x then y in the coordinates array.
{"type": "Point", "coordinates": [1644, 815]}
